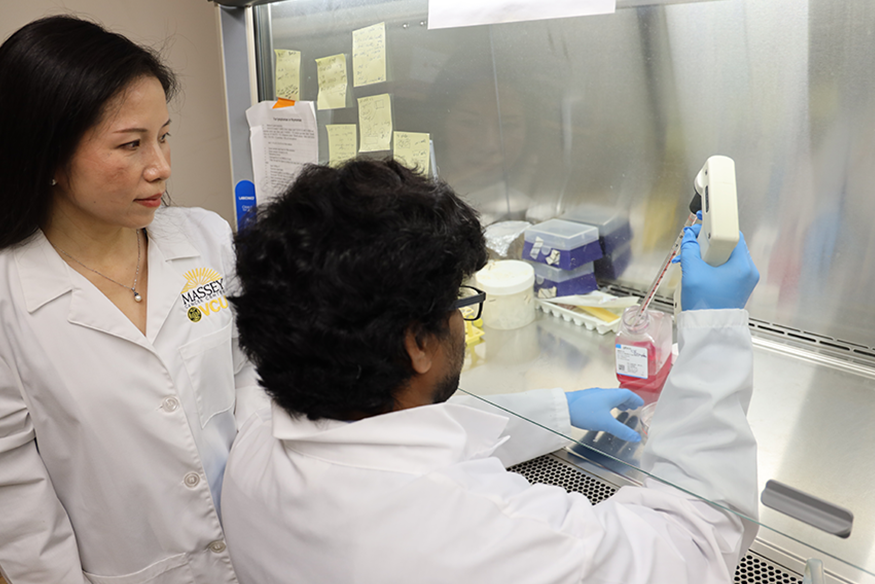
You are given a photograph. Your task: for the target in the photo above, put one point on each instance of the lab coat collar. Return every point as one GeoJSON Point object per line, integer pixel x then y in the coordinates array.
{"type": "Point", "coordinates": [166, 244]}
{"type": "Point", "coordinates": [416, 440]}
{"type": "Point", "coordinates": [45, 275]}
{"type": "Point", "coordinates": [168, 232]}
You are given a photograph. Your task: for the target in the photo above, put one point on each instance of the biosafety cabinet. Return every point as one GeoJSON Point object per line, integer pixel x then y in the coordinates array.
{"type": "Point", "coordinates": [539, 119]}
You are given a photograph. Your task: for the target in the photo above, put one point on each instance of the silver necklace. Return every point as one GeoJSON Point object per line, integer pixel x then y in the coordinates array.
{"type": "Point", "coordinates": [137, 297]}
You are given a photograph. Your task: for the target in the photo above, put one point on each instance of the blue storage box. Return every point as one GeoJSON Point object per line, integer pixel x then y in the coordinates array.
{"type": "Point", "coordinates": [562, 244]}
{"type": "Point", "coordinates": [611, 267]}
{"type": "Point", "coordinates": [615, 237]}
{"type": "Point", "coordinates": [551, 282]}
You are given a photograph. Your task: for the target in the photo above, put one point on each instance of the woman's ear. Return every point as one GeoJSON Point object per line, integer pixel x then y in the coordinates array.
{"type": "Point", "coordinates": [420, 348]}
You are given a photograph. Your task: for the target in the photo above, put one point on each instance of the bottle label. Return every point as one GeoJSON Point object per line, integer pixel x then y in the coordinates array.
{"type": "Point", "coordinates": [632, 361]}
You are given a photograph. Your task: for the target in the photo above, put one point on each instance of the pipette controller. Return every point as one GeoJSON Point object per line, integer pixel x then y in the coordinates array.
{"type": "Point", "coordinates": [719, 234]}
{"type": "Point", "coordinates": [716, 196]}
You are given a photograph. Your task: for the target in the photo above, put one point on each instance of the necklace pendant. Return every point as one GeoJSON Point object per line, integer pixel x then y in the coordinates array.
{"type": "Point", "coordinates": [137, 297]}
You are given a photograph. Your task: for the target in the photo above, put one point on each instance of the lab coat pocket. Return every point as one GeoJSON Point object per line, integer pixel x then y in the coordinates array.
{"type": "Point", "coordinates": [210, 367]}
{"type": "Point", "coordinates": [172, 570]}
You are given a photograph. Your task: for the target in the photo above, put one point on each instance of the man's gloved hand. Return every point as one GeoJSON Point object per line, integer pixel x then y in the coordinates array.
{"type": "Point", "coordinates": [704, 286]}
{"type": "Point", "coordinates": [590, 409]}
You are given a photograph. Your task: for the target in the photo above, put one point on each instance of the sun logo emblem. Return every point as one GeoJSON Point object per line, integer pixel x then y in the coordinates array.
{"type": "Point", "coordinates": [199, 277]}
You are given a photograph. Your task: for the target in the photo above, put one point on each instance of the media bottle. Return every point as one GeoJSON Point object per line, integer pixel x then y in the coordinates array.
{"type": "Point", "coordinates": [643, 350]}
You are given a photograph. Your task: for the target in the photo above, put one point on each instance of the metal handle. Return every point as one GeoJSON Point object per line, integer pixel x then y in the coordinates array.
{"type": "Point", "coordinates": [813, 572]}
{"type": "Point", "coordinates": [809, 509]}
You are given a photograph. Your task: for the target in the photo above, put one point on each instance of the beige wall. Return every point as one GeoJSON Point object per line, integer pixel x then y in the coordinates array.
{"type": "Point", "coordinates": [187, 33]}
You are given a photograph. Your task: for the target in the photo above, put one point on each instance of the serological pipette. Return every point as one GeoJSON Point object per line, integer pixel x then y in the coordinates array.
{"type": "Point", "coordinates": [695, 207]}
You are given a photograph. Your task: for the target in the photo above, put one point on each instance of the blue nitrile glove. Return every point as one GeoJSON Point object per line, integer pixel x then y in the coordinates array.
{"type": "Point", "coordinates": [590, 409]}
{"type": "Point", "coordinates": [704, 286]}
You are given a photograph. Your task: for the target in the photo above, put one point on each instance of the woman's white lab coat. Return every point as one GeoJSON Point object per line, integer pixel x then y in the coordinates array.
{"type": "Point", "coordinates": [113, 444]}
{"type": "Point", "coordinates": [417, 495]}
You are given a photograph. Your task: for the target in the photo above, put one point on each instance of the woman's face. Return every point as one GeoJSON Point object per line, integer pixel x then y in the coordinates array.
{"type": "Point", "coordinates": [119, 171]}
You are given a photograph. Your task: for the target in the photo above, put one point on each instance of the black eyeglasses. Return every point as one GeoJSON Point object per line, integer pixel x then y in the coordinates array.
{"type": "Point", "coordinates": [470, 302]}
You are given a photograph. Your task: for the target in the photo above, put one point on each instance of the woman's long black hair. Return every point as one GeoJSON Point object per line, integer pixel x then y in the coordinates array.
{"type": "Point", "coordinates": [56, 76]}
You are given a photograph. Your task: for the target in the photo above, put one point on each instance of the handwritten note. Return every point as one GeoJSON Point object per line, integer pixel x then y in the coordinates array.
{"type": "Point", "coordinates": [331, 73]}
{"type": "Point", "coordinates": [412, 150]}
{"type": "Point", "coordinates": [369, 55]}
{"type": "Point", "coordinates": [341, 143]}
{"type": "Point", "coordinates": [375, 122]}
{"type": "Point", "coordinates": [288, 74]}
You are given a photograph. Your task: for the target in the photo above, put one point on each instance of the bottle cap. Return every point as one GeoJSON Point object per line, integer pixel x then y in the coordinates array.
{"type": "Point", "coordinates": [506, 277]}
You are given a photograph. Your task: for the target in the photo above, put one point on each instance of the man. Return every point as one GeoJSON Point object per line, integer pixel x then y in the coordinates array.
{"type": "Point", "coordinates": [363, 472]}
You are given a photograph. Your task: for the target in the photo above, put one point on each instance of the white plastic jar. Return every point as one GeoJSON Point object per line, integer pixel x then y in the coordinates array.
{"type": "Point", "coordinates": [510, 301]}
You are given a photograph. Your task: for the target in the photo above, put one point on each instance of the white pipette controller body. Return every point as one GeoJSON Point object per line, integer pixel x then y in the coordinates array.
{"type": "Point", "coordinates": [715, 183]}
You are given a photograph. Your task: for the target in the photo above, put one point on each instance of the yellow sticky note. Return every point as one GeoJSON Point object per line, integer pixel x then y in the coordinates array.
{"type": "Point", "coordinates": [288, 74]}
{"type": "Point", "coordinates": [412, 150]}
{"type": "Point", "coordinates": [369, 55]}
{"type": "Point", "coordinates": [331, 72]}
{"type": "Point", "coordinates": [375, 122]}
{"type": "Point", "coordinates": [341, 142]}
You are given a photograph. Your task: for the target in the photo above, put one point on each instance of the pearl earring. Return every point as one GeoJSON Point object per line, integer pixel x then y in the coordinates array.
{"type": "Point", "coordinates": [54, 182]}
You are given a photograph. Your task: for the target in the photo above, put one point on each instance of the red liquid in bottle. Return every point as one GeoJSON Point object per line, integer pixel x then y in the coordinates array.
{"type": "Point", "coordinates": [644, 352]}
{"type": "Point", "coordinates": [650, 387]}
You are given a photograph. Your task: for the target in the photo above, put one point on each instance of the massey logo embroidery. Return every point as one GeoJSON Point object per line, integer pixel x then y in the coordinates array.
{"type": "Point", "coordinates": [203, 294]}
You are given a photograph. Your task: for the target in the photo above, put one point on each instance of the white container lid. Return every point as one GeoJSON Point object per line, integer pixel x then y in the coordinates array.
{"type": "Point", "coordinates": [506, 277]}
{"type": "Point", "coordinates": [561, 234]}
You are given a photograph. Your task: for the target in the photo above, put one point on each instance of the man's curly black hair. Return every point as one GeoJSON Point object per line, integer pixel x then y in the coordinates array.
{"type": "Point", "coordinates": [335, 271]}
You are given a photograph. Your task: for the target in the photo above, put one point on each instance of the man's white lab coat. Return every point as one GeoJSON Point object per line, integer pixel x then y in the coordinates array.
{"type": "Point", "coordinates": [113, 444]}
{"type": "Point", "coordinates": [415, 495]}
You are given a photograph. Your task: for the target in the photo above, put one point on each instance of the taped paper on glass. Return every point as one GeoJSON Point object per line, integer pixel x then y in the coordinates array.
{"type": "Point", "coordinates": [288, 74]}
{"type": "Point", "coordinates": [341, 143]}
{"type": "Point", "coordinates": [333, 82]}
{"type": "Point", "coordinates": [413, 150]}
{"type": "Point", "coordinates": [283, 141]}
{"type": "Point", "coordinates": [369, 55]}
{"type": "Point", "coordinates": [375, 122]}
{"type": "Point", "coordinates": [459, 13]}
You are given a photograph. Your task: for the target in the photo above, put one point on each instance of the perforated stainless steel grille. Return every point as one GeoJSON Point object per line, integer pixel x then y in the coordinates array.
{"type": "Point", "coordinates": [753, 568]}
{"type": "Point", "coordinates": [548, 470]}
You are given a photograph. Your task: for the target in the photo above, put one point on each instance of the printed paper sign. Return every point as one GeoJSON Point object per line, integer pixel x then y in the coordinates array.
{"type": "Point", "coordinates": [283, 140]}
{"type": "Point", "coordinates": [458, 13]}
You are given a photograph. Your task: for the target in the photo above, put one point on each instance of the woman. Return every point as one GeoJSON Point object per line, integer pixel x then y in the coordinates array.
{"type": "Point", "coordinates": [121, 384]}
